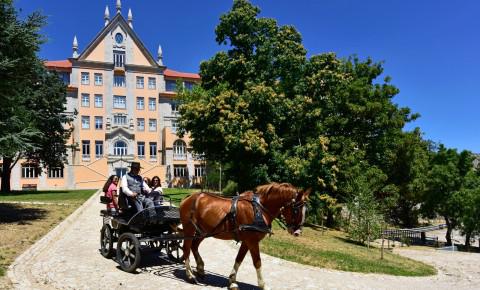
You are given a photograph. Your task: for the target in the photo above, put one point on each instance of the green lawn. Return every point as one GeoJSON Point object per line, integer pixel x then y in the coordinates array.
{"type": "Point", "coordinates": [177, 194]}
{"type": "Point", "coordinates": [331, 249]}
{"type": "Point", "coordinates": [57, 196]}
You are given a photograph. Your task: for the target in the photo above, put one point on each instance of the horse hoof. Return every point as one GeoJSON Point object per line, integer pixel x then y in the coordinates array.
{"type": "Point", "coordinates": [233, 286]}
{"type": "Point", "coordinates": [191, 280]}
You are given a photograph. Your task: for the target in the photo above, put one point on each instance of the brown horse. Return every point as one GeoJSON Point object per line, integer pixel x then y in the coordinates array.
{"type": "Point", "coordinates": [206, 215]}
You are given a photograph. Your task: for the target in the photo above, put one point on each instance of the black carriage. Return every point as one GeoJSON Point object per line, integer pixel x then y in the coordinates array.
{"type": "Point", "coordinates": [130, 234]}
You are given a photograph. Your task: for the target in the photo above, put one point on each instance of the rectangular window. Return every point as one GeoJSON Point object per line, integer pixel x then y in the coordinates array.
{"type": "Point", "coordinates": [29, 171]}
{"type": "Point", "coordinates": [180, 171]}
{"type": "Point", "coordinates": [98, 79]}
{"type": "Point", "coordinates": [141, 124]}
{"type": "Point", "coordinates": [65, 77]}
{"type": "Point", "coordinates": [85, 100]}
{"type": "Point", "coordinates": [153, 150]}
{"type": "Point", "coordinates": [120, 120]}
{"type": "Point", "coordinates": [85, 148]}
{"type": "Point", "coordinates": [55, 172]}
{"type": "Point", "coordinates": [174, 106]}
{"type": "Point", "coordinates": [85, 78]}
{"type": "Point", "coordinates": [152, 104]}
{"type": "Point", "coordinates": [152, 83]}
{"type": "Point", "coordinates": [174, 125]}
{"type": "Point", "coordinates": [170, 85]}
{"type": "Point", "coordinates": [140, 82]}
{"type": "Point", "coordinates": [141, 149]}
{"type": "Point", "coordinates": [152, 125]}
{"type": "Point", "coordinates": [189, 85]}
{"type": "Point", "coordinates": [98, 149]}
{"type": "Point", "coordinates": [98, 123]}
{"type": "Point", "coordinates": [140, 103]}
{"type": "Point", "coordinates": [199, 170]}
{"type": "Point", "coordinates": [119, 102]}
{"type": "Point", "coordinates": [119, 58]}
{"type": "Point", "coordinates": [119, 81]}
{"type": "Point", "coordinates": [98, 101]}
{"type": "Point", "coordinates": [85, 122]}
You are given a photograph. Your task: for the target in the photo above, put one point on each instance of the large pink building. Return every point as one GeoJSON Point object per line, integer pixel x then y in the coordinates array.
{"type": "Point", "coordinates": [125, 99]}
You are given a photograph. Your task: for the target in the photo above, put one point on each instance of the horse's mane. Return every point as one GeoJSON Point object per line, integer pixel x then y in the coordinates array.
{"type": "Point", "coordinates": [283, 189]}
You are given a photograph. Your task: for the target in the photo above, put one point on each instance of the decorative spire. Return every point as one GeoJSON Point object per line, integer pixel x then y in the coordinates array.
{"type": "Point", "coordinates": [107, 16]}
{"type": "Point", "coordinates": [130, 18]}
{"type": "Point", "coordinates": [160, 55]}
{"type": "Point", "coordinates": [75, 47]}
{"type": "Point", "coordinates": [119, 6]}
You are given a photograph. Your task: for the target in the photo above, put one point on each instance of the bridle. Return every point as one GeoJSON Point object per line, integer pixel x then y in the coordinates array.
{"type": "Point", "coordinates": [295, 206]}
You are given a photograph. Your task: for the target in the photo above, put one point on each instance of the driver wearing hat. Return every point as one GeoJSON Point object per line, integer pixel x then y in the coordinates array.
{"type": "Point", "coordinates": [135, 188]}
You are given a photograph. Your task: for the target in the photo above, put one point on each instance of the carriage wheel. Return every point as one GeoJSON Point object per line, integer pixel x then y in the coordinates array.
{"type": "Point", "coordinates": [106, 241]}
{"type": "Point", "coordinates": [128, 252]}
{"type": "Point", "coordinates": [175, 250]}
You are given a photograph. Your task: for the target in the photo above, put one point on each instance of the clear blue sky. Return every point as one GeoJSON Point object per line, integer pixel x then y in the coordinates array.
{"type": "Point", "coordinates": [430, 47]}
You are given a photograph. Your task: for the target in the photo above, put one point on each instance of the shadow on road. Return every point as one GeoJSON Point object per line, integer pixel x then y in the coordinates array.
{"type": "Point", "coordinates": [15, 213]}
{"type": "Point", "coordinates": [161, 266]}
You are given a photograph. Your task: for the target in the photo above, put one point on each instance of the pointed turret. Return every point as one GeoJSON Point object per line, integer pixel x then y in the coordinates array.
{"type": "Point", "coordinates": [160, 55]}
{"type": "Point", "coordinates": [130, 18]}
{"type": "Point", "coordinates": [119, 6]}
{"type": "Point", "coordinates": [106, 16]}
{"type": "Point", "coordinates": [75, 47]}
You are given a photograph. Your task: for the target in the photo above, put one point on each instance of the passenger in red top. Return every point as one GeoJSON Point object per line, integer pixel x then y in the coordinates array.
{"type": "Point", "coordinates": [110, 190]}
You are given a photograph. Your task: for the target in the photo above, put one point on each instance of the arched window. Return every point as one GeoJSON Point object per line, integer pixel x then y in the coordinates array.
{"type": "Point", "coordinates": [120, 148]}
{"type": "Point", "coordinates": [179, 150]}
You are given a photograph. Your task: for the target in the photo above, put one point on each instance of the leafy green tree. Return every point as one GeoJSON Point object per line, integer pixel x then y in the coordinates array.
{"type": "Point", "coordinates": [408, 172]}
{"type": "Point", "coordinates": [445, 178]}
{"type": "Point", "coordinates": [468, 197]}
{"type": "Point", "coordinates": [33, 100]}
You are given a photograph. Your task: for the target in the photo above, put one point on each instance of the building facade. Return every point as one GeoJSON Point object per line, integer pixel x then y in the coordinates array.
{"type": "Point", "coordinates": [126, 111]}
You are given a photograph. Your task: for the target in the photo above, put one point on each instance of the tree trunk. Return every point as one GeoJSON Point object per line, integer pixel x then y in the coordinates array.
{"type": "Point", "coordinates": [448, 235]}
{"type": "Point", "coordinates": [468, 234]}
{"type": "Point", "coordinates": [330, 220]}
{"type": "Point", "coordinates": [6, 173]}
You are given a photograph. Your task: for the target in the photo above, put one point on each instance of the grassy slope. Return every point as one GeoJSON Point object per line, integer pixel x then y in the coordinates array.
{"type": "Point", "coordinates": [60, 196]}
{"type": "Point", "coordinates": [331, 249]}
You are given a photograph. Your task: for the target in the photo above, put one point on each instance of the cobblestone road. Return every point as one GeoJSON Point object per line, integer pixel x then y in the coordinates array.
{"type": "Point", "coordinates": [68, 258]}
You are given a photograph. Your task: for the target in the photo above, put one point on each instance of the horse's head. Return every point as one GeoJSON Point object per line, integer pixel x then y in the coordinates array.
{"type": "Point", "coordinates": [294, 212]}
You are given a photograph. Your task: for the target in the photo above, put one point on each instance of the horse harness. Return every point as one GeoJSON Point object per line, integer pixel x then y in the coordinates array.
{"type": "Point", "coordinates": [258, 224]}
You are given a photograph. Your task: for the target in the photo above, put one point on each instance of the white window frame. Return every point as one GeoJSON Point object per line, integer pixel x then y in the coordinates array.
{"type": "Point", "coordinates": [119, 81]}
{"type": "Point", "coordinates": [55, 172]}
{"type": "Point", "coordinates": [86, 122]}
{"type": "Point", "coordinates": [174, 126]}
{"type": "Point", "coordinates": [120, 150]}
{"type": "Point", "coordinates": [153, 150]}
{"type": "Point", "coordinates": [179, 150]}
{"type": "Point", "coordinates": [152, 125]}
{"type": "Point", "coordinates": [180, 171]}
{"type": "Point", "coordinates": [141, 149]}
{"type": "Point", "coordinates": [98, 123]}
{"type": "Point", "coordinates": [119, 102]}
{"type": "Point", "coordinates": [152, 83]}
{"type": "Point", "coordinates": [140, 124]}
{"type": "Point", "coordinates": [152, 104]}
{"type": "Point", "coordinates": [117, 118]}
{"type": "Point", "coordinates": [85, 78]}
{"type": "Point", "coordinates": [199, 170]}
{"type": "Point", "coordinates": [98, 104]}
{"type": "Point", "coordinates": [98, 78]}
{"type": "Point", "coordinates": [140, 82]}
{"type": "Point", "coordinates": [140, 103]}
{"type": "Point", "coordinates": [98, 144]}
{"type": "Point", "coordinates": [86, 149]}
{"type": "Point", "coordinates": [86, 100]}
{"type": "Point", "coordinates": [29, 171]}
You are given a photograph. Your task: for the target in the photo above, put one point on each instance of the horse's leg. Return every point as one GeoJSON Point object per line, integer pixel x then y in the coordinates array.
{"type": "Point", "coordinates": [232, 278]}
{"type": "Point", "coordinates": [257, 262]}
{"type": "Point", "coordinates": [198, 258]}
{"type": "Point", "coordinates": [187, 244]}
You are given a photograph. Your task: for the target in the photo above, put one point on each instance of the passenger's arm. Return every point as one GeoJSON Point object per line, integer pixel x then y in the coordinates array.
{"type": "Point", "coordinates": [146, 188]}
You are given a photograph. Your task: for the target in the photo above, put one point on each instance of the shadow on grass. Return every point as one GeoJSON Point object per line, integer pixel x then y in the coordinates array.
{"type": "Point", "coordinates": [32, 192]}
{"type": "Point", "coordinates": [352, 242]}
{"type": "Point", "coordinates": [14, 213]}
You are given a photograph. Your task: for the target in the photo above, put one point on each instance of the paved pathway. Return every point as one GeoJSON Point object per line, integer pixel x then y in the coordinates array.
{"type": "Point", "coordinates": [68, 258]}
